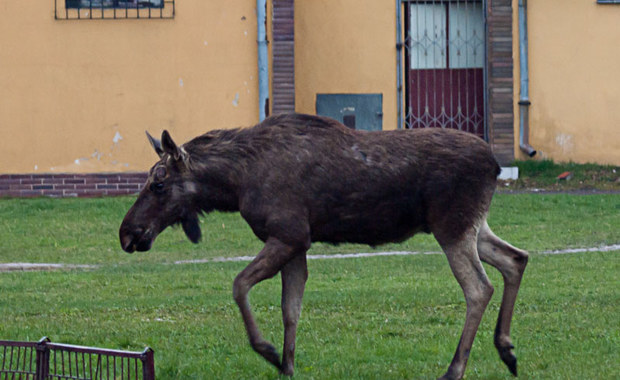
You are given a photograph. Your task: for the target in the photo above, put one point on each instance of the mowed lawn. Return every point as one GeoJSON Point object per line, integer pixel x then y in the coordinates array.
{"type": "Point", "coordinates": [364, 318]}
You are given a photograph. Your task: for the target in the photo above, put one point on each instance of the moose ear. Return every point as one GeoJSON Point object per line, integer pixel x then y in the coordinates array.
{"type": "Point", "coordinates": [192, 228]}
{"type": "Point", "coordinates": [169, 146]}
{"type": "Point", "coordinates": [156, 144]}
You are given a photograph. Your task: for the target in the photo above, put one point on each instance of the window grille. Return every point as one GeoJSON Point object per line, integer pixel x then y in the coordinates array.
{"type": "Point", "coordinates": [445, 64]}
{"type": "Point", "coordinates": [113, 9]}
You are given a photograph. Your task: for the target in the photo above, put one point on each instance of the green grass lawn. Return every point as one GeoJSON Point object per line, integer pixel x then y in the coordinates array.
{"type": "Point", "coordinates": [371, 318]}
{"type": "Point", "coordinates": [543, 174]}
{"type": "Point", "coordinates": [366, 318]}
{"type": "Point", "coordinates": [85, 231]}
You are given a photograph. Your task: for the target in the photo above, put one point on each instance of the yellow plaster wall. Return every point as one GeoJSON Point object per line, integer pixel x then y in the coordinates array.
{"type": "Point", "coordinates": [345, 46]}
{"type": "Point", "coordinates": [77, 95]}
{"type": "Point", "coordinates": [574, 55]}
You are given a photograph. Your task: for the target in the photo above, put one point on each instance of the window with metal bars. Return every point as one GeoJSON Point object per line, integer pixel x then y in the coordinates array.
{"type": "Point", "coordinates": [114, 3]}
{"type": "Point", "coordinates": [445, 60]}
{"type": "Point", "coordinates": [113, 9]}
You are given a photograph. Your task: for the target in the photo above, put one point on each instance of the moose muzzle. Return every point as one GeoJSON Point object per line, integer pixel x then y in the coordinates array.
{"type": "Point", "coordinates": [134, 239]}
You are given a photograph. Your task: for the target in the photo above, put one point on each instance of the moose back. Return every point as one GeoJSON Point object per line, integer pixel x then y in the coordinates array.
{"type": "Point", "coordinates": [297, 179]}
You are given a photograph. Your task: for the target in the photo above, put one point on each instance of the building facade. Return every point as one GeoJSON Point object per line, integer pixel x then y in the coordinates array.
{"type": "Point", "coordinates": [82, 80]}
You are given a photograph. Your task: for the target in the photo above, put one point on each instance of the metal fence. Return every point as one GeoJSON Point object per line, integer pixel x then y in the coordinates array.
{"type": "Point", "coordinates": [44, 360]}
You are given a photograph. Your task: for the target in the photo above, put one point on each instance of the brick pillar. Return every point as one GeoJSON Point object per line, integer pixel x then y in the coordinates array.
{"type": "Point", "coordinates": [283, 48]}
{"type": "Point", "coordinates": [500, 80]}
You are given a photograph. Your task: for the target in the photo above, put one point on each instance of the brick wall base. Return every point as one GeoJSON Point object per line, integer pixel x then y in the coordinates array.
{"type": "Point", "coordinates": [70, 185]}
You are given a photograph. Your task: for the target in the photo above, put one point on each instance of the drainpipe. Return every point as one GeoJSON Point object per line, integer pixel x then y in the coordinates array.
{"type": "Point", "coordinates": [524, 99]}
{"type": "Point", "coordinates": [399, 53]}
{"type": "Point", "coordinates": [263, 62]}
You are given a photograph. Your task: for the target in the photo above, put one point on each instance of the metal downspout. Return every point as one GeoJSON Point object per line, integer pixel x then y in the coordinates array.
{"type": "Point", "coordinates": [399, 53]}
{"type": "Point", "coordinates": [524, 98]}
{"type": "Point", "coordinates": [263, 61]}
{"type": "Point", "coordinates": [399, 59]}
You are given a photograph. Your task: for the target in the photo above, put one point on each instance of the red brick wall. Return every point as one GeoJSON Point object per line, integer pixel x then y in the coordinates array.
{"type": "Point", "coordinates": [283, 46]}
{"type": "Point", "coordinates": [70, 185]}
{"type": "Point", "coordinates": [500, 80]}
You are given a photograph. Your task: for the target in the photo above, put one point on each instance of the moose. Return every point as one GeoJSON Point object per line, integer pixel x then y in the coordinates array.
{"type": "Point", "coordinates": [298, 179]}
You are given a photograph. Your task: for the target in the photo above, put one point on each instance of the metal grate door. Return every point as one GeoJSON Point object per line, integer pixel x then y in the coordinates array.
{"type": "Point", "coordinates": [445, 55]}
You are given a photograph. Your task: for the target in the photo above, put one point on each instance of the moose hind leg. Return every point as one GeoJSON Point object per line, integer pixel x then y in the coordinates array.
{"type": "Point", "coordinates": [294, 276]}
{"type": "Point", "coordinates": [265, 265]}
{"type": "Point", "coordinates": [511, 263]}
{"type": "Point", "coordinates": [467, 268]}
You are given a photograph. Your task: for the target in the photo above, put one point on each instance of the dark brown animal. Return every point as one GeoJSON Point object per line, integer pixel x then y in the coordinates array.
{"type": "Point", "coordinates": [297, 179]}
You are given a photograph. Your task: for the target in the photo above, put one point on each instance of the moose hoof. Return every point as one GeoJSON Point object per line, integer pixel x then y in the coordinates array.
{"type": "Point", "coordinates": [287, 371]}
{"type": "Point", "coordinates": [447, 376]}
{"type": "Point", "coordinates": [451, 375]}
{"type": "Point", "coordinates": [508, 357]}
{"type": "Point", "coordinates": [268, 351]}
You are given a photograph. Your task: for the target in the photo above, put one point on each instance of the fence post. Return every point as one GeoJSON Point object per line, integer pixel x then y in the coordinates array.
{"type": "Point", "coordinates": [43, 355]}
{"type": "Point", "coordinates": [148, 364]}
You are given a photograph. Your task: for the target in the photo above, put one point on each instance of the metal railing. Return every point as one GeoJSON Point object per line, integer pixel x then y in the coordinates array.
{"type": "Point", "coordinates": [44, 360]}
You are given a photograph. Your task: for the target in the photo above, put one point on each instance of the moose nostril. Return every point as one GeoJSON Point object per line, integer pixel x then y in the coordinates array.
{"type": "Point", "coordinates": [127, 243]}
{"type": "Point", "coordinates": [129, 238]}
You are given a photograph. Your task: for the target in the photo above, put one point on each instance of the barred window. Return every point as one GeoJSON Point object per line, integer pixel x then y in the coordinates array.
{"type": "Point", "coordinates": [114, 3]}
{"type": "Point", "coordinates": [113, 9]}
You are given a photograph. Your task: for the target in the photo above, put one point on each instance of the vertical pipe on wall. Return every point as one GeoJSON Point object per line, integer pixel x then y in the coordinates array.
{"type": "Point", "coordinates": [399, 53]}
{"type": "Point", "coordinates": [524, 97]}
{"type": "Point", "coordinates": [485, 74]}
{"type": "Point", "coordinates": [263, 62]}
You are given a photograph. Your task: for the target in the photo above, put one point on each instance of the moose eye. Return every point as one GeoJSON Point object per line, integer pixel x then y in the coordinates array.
{"type": "Point", "coordinates": [160, 172]}
{"type": "Point", "coordinates": [157, 187]}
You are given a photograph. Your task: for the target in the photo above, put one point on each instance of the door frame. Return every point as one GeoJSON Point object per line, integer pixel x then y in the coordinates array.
{"type": "Point", "coordinates": [441, 78]}
{"type": "Point", "coordinates": [407, 59]}
{"type": "Point", "coordinates": [498, 75]}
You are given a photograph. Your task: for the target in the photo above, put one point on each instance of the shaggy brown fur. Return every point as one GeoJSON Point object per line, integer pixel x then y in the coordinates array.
{"type": "Point", "coordinates": [298, 178]}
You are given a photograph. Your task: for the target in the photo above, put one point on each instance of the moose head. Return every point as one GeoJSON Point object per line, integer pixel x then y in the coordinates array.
{"type": "Point", "coordinates": [168, 198]}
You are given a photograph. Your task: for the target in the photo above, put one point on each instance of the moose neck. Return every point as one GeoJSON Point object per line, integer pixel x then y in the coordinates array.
{"type": "Point", "coordinates": [216, 189]}
{"type": "Point", "coordinates": [218, 167]}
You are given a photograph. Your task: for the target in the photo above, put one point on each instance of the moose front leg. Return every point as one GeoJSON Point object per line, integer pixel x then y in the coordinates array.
{"type": "Point", "coordinates": [273, 257]}
{"type": "Point", "coordinates": [294, 276]}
